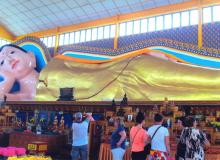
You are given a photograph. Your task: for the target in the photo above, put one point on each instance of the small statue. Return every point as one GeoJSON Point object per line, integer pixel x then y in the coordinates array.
{"type": "Point", "coordinates": [19, 123]}
{"type": "Point", "coordinates": [137, 110]}
{"type": "Point", "coordinates": [43, 122]}
{"type": "Point", "coordinates": [155, 108]}
{"type": "Point", "coordinates": [120, 112]}
{"type": "Point", "coordinates": [38, 129]}
{"type": "Point", "coordinates": [113, 103]}
{"type": "Point", "coordinates": [32, 121]}
{"type": "Point", "coordinates": [167, 107]}
{"type": "Point", "coordinates": [124, 101]}
{"type": "Point", "coordinates": [29, 127]}
{"type": "Point", "coordinates": [62, 126]}
{"type": "Point", "coordinates": [55, 124]}
{"type": "Point", "coordinates": [165, 102]}
{"type": "Point", "coordinates": [172, 104]}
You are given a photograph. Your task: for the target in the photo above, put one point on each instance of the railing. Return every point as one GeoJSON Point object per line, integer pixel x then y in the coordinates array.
{"type": "Point", "coordinates": [105, 153]}
{"type": "Point", "coordinates": [103, 106]}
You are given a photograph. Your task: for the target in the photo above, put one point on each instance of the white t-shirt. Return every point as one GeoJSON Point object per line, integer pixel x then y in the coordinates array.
{"type": "Point", "coordinates": [158, 142]}
{"type": "Point", "coordinates": [80, 133]}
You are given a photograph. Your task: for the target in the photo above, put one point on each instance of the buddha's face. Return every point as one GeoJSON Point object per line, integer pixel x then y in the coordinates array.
{"type": "Point", "coordinates": [16, 62]}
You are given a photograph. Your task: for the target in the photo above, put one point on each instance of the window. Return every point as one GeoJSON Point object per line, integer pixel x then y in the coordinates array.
{"type": "Point", "coordinates": [168, 21]}
{"type": "Point", "coordinates": [66, 39]}
{"type": "Point", "coordinates": [77, 37]}
{"type": "Point", "coordinates": [106, 32]}
{"type": "Point", "coordinates": [185, 19]}
{"type": "Point", "coordinates": [159, 23]}
{"type": "Point", "coordinates": [122, 29]}
{"type": "Point", "coordinates": [216, 13]}
{"type": "Point", "coordinates": [54, 41]}
{"type": "Point", "coordinates": [50, 41]}
{"type": "Point", "coordinates": [137, 27]}
{"type": "Point", "coordinates": [100, 33]}
{"type": "Point", "coordinates": [3, 42]}
{"type": "Point", "coordinates": [176, 20]}
{"type": "Point", "coordinates": [61, 39]}
{"type": "Point", "coordinates": [112, 32]}
{"type": "Point", "coordinates": [129, 28]}
{"type": "Point", "coordinates": [144, 25]}
{"type": "Point", "coordinates": [71, 37]}
{"type": "Point", "coordinates": [151, 24]}
{"type": "Point", "coordinates": [45, 41]}
{"type": "Point", "coordinates": [88, 34]}
{"type": "Point", "coordinates": [82, 35]}
{"type": "Point", "coordinates": [194, 17]}
{"type": "Point", "coordinates": [207, 15]}
{"type": "Point", "coordinates": [94, 34]}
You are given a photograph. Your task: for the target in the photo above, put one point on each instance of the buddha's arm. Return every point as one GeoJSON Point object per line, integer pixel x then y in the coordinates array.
{"type": "Point", "coordinates": [27, 91]}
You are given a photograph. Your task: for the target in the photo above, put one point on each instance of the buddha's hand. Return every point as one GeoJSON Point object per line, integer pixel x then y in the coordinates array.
{"type": "Point", "coordinates": [7, 81]}
{"type": "Point", "coordinates": [2, 97]}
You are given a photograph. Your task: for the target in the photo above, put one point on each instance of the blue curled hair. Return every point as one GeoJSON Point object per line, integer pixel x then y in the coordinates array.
{"type": "Point", "coordinates": [12, 45]}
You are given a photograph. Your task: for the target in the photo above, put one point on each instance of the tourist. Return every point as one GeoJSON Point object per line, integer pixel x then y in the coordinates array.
{"type": "Point", "coordinates": [138, 138]}
{"type": "Point", "coordinates": [181, 122]}
{"type": "Point", "coordinates": [80, 136]}
{"type": "Point", "coordinates": [180, 126]}
{"type": "Point", "coordinates": [160, 145]}
{"type": "Point", "coordinates": [192, 142]}
{"type": "Point", "coordinates": [118, 140]}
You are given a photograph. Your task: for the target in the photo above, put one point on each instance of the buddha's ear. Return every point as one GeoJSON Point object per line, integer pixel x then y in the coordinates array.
{"type": "Point", "coordinates": [32, 62]}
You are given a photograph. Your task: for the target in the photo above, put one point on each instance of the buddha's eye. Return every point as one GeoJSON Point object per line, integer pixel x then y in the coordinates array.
{"type": "Point", "coordinates": [12, 52]}
{"type": "Point", "coordinates": [2, 62]}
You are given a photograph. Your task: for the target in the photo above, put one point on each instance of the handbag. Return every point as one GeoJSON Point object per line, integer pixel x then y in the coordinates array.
{"type": "Point", "coordinates": [147, 148]}
{"type": "Point", "coordinates": [181, 150]}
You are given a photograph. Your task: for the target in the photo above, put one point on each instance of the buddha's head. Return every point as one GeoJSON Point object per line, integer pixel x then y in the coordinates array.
{"type": "Point", "coordinates": [16, 61]}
